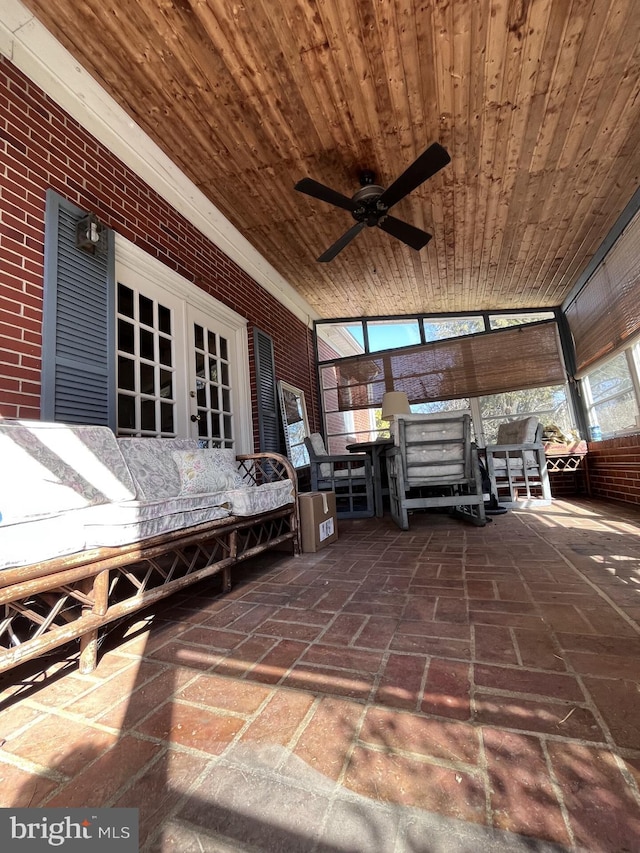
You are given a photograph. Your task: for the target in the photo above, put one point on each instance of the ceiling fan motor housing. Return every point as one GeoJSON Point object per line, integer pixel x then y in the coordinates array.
{"type": "Point", "coordinates": [367, 209]}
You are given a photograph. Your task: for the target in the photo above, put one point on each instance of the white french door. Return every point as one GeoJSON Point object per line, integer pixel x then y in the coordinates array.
{"type": "Point", "coordinates": [181, 360]}
{"type": "Point", "coordinates": [213, 380]}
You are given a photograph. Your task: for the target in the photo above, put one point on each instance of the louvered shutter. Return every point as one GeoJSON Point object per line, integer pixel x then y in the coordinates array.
{"type": "Point", "coordinates": [268, 420]}
{"type": "Point", "coordinates": [78, 347]}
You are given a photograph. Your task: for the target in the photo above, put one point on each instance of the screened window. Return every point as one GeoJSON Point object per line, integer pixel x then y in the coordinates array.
{"type": "Point", "coordinates": [548, 404]}
{"type": "Point", "coordinates": [611, 391]}
{"type": "Point", "coordinates": [453, 327]}
{"type": "Point", "coordinates": [501, 321]}
{"type": "Point", "coordinates": [443, 363]}
{"type": "Point", "coordinates": [389, 334]}
{"type": "Point", "coordinates": [604, 315]}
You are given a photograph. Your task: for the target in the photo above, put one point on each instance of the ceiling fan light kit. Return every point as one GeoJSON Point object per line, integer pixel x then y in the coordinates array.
{"type": "Point", "coordinates": [370, 205]}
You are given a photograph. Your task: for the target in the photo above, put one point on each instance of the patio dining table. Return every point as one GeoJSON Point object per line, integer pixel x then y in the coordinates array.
{"type": "Point", "coordinates": [376, 449]}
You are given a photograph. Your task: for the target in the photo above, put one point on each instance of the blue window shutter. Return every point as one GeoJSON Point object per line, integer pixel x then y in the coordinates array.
{"type": "Point", "coordinates": [78, 336]}
{"type": "Point", "coordinates": [268, 419]}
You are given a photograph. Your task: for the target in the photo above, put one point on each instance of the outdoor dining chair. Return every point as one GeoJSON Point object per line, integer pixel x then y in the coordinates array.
{"type": "Point", "coordinates": [434, 464]}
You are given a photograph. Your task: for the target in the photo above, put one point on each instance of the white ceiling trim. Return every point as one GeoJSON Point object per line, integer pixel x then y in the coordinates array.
{"type": "Point", "coordinates": [33, 50]}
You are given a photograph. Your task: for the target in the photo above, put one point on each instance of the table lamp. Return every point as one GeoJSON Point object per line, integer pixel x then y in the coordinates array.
{"type": "Point", "coordinates": [395, 403]}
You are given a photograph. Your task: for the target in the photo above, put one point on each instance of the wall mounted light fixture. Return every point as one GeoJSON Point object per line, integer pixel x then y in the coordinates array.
{"type": "Point", "coordinates": [91, 235]}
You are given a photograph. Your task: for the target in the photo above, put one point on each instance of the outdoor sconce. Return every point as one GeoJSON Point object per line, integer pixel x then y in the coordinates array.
{"type": "Point", "coordinates": [91, 235]}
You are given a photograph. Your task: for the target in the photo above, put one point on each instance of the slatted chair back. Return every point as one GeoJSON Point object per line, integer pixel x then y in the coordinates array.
{"type": "Point", "coordinates": [434, 464]}
{"type": "Point", "coordinates": [517, 464]}
{"type": "Point", "coordinates": [435, 451]}
{"type": "Point", "coordinates": [349, 475]}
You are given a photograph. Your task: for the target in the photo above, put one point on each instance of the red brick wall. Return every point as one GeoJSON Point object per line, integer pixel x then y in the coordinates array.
{"type": "Point", "coordinates": [41, 147]}
{"type": "Point", "coordinates": [614, 468]}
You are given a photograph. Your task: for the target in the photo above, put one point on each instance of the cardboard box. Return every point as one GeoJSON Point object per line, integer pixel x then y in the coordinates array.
{"type": "Point", "coordinates": [318, 522]}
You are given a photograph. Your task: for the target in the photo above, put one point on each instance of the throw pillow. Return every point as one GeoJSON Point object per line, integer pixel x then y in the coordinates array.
{"type": "Point", "coordinates": [207, 470]}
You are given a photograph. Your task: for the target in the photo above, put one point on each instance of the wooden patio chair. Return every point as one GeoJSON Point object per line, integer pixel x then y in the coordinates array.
{"type": "Point", "coordinates": [517, 465]}
{"type": "Point", "coordinates": [349, 475]}
{"type": "Point", "coordinates": [434, 464]}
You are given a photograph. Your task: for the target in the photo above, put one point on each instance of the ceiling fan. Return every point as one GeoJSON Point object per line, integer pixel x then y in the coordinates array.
{"type": "Point", "coordinates": [370, 205]}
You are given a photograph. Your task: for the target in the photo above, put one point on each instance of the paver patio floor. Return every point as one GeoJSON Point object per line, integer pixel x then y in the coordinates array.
{"type": "Point", "coordinates": [445, 688]}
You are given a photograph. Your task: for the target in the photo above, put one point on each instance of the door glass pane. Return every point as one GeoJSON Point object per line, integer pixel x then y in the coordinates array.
{"type": "Point", "coordinates": [146, 310]}
{"type": "Point", "coordinates": [148, 415]}
{"type": "Point", "coordinates": [145, 372]}
{"type": "Point", "coordinates": [146, 344]}
{"type": "Point", "coordinates": [213, 390]}
{"type": "Point", "coordinates": [166, 417]}
{"type": "Point", "coordinates": [126, 373]}
{"type": "Point", "coordinates": [147, 378]}
{"type": "Point", "coordinates": [166, 384]}
{"type": "Point", "coordinates": [125, 301]}
{"type": "Point", "coordinates": [164, 319]}
{"type": "Point", "coordinates": [165, 350]}
{"type": "Point", "coordinates": [125, 336]}
{"type": "Point", "coordinates": [199, 364]}
{"type": "Point", "coordinates": [126, 412]}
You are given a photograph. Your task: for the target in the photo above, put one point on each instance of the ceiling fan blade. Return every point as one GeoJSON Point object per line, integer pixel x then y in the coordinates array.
{"type": "Point", "coordinates": [339, 245]}
{"type": "Point", "coordinates": [409, 234]}
{"type": "Point", "coordinates": [319, 191]}
{"type": "Point", "coordinates": [427, 164]}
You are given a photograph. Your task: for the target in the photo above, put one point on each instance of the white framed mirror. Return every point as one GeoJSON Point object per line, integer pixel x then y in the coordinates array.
{"type": "Point", "coordinates": [295, 423]}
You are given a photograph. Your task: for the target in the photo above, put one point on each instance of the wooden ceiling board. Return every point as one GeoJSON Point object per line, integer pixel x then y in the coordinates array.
{"type": "Point", "coordinates": [537, 102]}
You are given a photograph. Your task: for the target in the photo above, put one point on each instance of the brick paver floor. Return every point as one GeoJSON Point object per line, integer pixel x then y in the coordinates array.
{"type": "Point", "coordinates": [444, 688]}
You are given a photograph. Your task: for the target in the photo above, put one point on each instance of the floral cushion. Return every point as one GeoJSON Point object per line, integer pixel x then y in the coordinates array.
{"type": "Point", "coordinates": [207, 470]}
{"type": "Point", "coordinates": [49, 468]}
{"type": "Point", "coordinates": [152, 467]}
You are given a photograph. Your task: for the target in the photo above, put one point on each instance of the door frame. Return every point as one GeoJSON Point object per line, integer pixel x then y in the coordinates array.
{"type": "Point", "coordinates": [130, 258]}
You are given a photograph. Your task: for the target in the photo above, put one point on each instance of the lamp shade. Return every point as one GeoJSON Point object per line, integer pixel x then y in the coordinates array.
{"type": "Point", "coordinates": [395, 403]}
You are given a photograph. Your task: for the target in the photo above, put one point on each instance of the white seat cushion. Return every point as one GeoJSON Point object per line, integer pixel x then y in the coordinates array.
{"type": "Point", "coordinates": [252, 500]}
{"type": "Point", "coordinates": [130, 521]}
{"type": "Point", "coordinates": [41, 539]}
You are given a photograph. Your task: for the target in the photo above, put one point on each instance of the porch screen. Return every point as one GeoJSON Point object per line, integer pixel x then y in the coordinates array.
{"type": "Point", "coordinates": [514, 358]}
{"type": "Point", "coordinates": [605, 315]}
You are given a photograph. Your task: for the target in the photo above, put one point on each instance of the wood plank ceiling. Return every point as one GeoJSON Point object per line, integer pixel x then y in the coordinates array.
{"type": "Point", "coordinates": [537, 102]}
